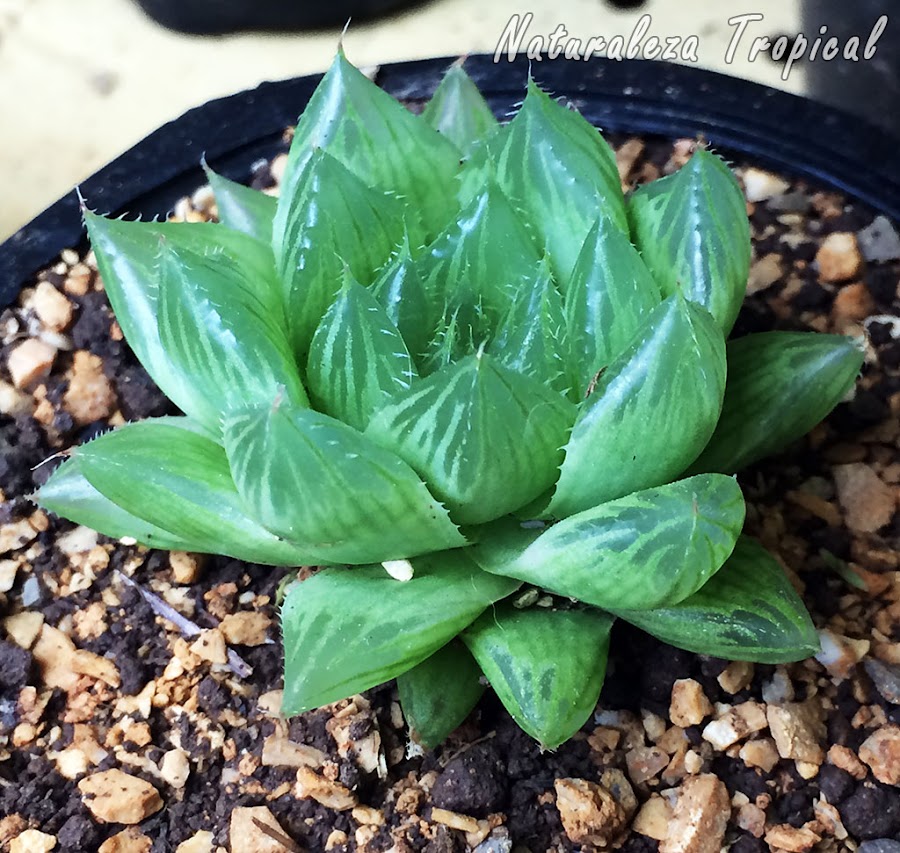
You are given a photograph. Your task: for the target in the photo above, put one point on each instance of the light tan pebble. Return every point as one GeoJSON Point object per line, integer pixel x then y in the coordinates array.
{"type": "Point", "coordinates": [61, 663]}
{"type": "Point", "coordinates": [761, 753]}
{"type": "Point", "coordinates": [806, 770]}
{"type": "Point", "coordinates": [791, 838]}
{"type": "Point", "coordinates": [278, 751]}
{"type": "Point", "coordinates": [779, 689]}
{"type": "Point", "coordinates": [78, 280]}
{"type": "Point", "coordinates": [737, 723]}
{"type": "Point", "coordinates": [798, 730]}
{"type": "Point", "coordinates": [336, 838]}
{"type": "Point", "coordinates": [187, 566]}
{"type": "Point", "coordinates": [116, 797]}
{"type": "Point", "coordinates": [867, 501]}
{"type": "Point", "coordinates": [693, 762]}
{"type": "Point", "coordinates": [246, 628]}
{"type": "Point", "coordinates": [881, 751]}
{"type": "Point", "coordinates": [699, 818]}
{"type": "Point", "coordinates": [90, 396]}
{"type": "Point", "coordinates": [764, 273]}
{"type": "Point", "coordinates": [12, 401]}
{"type": "Point", "coordinates": [736, 677]}
{"type": "Point", "coordinates": [604, 739]}
{"type": "Point", "coordinates": [454, 820]}
{"type": "Point", "coordinates": [839, 258]}
{"type": "Point", "coordinates": [8, 571]}
{"type": "Point", "coordinates": [16, 534]}
{"type": "Point", "coordinates": [76, 541]}
{"type": "Point", "coordinates": [30, 361]}
{"type": "Point", "coordinates": [853, 302]}
{"type": "Point", "coordinates": [210, 646]}
{"type": "Point", "coordinates": [645, 763]}
{"type": "Point", "coordinates": [130, 840]}
{"type": "Point", "coordinates": [246, 836]}
{"type": "Point", "coordinates": [277, 167]}
{"type": "Point", "coordinates": [11, 826]}
{"type": "Point", "coordinates": [51, 307]}
{"type": "Point", "coordinates": [175, 768]}
{"type": "Point", "coordinates": [653, 818]}
{"type": "Point", "coordinates": [331, 794]}
{"type": "Point", "coordinates": [844, 758]}
{"type": "Point", "coordinates": [674, 740]}
{"type": "Point", "coordinates": [270, 703]}
{"type": "Point", "coordinates": [71, 763]}
{"type": "Point", "coordinates": [751, 818]}
{"type": "Point", "coordinates": [689, 705]}
{"type": "Point", "coordinates": [654, 725]}
{"type": "Point", "coordinates": [589, 812]}
{"type": "Point", "coordinates": [760, 185]}
{"type": "Point", "coordinates": [363, 836]}
{"type": "Point", "coordinates": [830, 819]}
{"type": "Point", "coordinates": [24, 628]}
{"type": "Point", "coordinates": [627, 154]}
{"type": "Point", "coordinates": [839, 654]}
{"type": "Point", "coordinates": [367, 815]}
{"type": "Point", "coordinates": [199, 842]}
{"type": "Point", "coordinates": [33, 841]}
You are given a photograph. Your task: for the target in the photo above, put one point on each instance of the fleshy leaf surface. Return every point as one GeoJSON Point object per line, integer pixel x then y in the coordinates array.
{"type": "Point", "coordinates": [179, 481]}
{"type": "Point", "coordinates": [609, 295]}
{"type": "Point", "coordinates": [438, 694]}
{"type": "Point", "coordinates": [693, 233]}
{"type": "Point", "coordinates": [225, 331]}
{"type": "Point", "coordinates": [332, 219]}
{"type": "Point", "coordinates": [321, 484]}
{"type": "Point", "coordinates": [651, 412]}
{"type": "Point", "coordinates": [348, 630]}
{"type": "Point", "coordinates": [780, 385]}
{"type": "Point", "coordinates": [649, 549]}
{"type": "Point", "coordinates": [243, 208]}
{"type": "Point", "coordinates": [747, 611]}
{"type": "Point", "coordinates": [558, 169]}
{"type": "Point", "coordinates": [458, 111]}
{"type": "Point", "coordinates": [357, 359]}
{"type": "Point", "coordinates": [485, 440]}
{"type": "Point", "coordinates": [380, 141]}
{"type": "Point", "coordinates": [546, 666]}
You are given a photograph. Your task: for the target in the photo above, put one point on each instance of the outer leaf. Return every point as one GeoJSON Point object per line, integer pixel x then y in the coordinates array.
{"type": "Point", "coordinates": [530, 337]}
{"type": "Point", "coordinates": [225, 332]}
{"type": "Point", "coordinates": [375, 137]}
{"type": "Point", "coordinates": [479, 166]}
{"type": "Point", "coordinates": [747, 611]}
{"type": "Point", "coordinates": [439, 693]}
{"type": "Point", "coordinates": [243, 208]}
{"type": "Point", "coordinates": [458, 111]}
{"type": "Point", "coordinates": [560, 171]}
{"type": "Point", "coordinates": [610, 294]}
{"type": "Point", "coordinates": [649, 549]}
{"type": "Point", "coordinates": [485, 439]}
{"type": "Point", "coordinates": [179, 481]}
{"type": "Point", "coordinates": [347, 630]}
{"type": "Point", "coordinates": [780, 385]}
{"type": "Point", "coordinates": [357, 359]}
{"type": "Point", "coordinates": [331, 219]}
{"type": "Point", "coordinates": [693, 233]}
{"type": "Point", "coordinates": [68, 494]}
{"type": "Point", "coordinates": [652, 411]}
{"type": "Point", "coordinates": [319, 483]}
{"type": "Point", "coordinates": [546, 666]}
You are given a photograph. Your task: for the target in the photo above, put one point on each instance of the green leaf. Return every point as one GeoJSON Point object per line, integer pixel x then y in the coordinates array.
{"type": "Point", "coordinates": [458, 111]}
{"type": "Point", "coordinates": [479, 165]}
{"type": "Point", "coordinates": [780, 385]}
{"type": "Point", "coordinates": [357, 359]}
{"type": "Point", "coordinates": [546, 666]}
{"type": "Point", "coordinates": [693, 233]}
{"type": "Point", "coordinates": [649, 549]}
{"type": "Point", "coordinates": [178, 480]}
{"type": "Point", "coordinates": [128, 256]}
{"type": "Point", "coordinates": [438, 694]}
{"type": "Point", "coordinates": [225, 332]}
{"type": "Point", "coordinates": [68, 494]}
{"type": "Point", "coordinates": [348, 630]}
{"type": "Point", "coordinates": [530, 337]}
{"type": "Point", "coordinates": [485, 439]}
{"type": "Point", "coordinates": [651, 413]}
{"type": "Point", "coordinates": [332, 220]}
{"type": "Point", "coordinates": [609, 296]}
{"type": "Point", "coordinates": [242, 208]}
{"type": "Point", "coordinates": [381, 142]}
{"type": "Point", "coordinates": [747, 611]}
{"type": "Point", "coordinates": [558, 169]}
{"type": "Point", "coordinates": [322, 485]}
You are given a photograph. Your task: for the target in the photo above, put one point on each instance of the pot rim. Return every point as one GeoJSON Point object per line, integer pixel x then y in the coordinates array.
{"type": "Point", "coordinates": [784, 131]}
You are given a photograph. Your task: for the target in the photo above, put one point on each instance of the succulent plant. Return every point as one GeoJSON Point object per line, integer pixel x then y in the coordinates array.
{"type": "Point", "coordinates": [485, 393]}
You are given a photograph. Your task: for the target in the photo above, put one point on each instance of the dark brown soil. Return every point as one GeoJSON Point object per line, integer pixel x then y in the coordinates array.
{"type": "Point", "coordinates": [163, 697]}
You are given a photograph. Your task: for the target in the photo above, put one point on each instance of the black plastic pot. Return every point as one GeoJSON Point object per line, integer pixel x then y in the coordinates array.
{"type": "Point", "coordinates": [788, 133]}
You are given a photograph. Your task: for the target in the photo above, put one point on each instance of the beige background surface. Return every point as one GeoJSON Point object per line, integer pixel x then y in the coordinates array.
{"type": "Point", "coordinates": [83, 80]}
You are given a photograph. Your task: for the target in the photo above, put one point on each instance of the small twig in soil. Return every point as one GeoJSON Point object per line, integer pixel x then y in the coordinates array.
{"type": "Point", "coordinates": [284, 840]}
{"type": "Point", "coordinates": [188, 628]}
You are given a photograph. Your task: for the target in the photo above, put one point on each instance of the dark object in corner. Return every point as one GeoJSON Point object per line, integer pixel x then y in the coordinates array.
{"type": "Point", "coordinates": [216, 17]}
